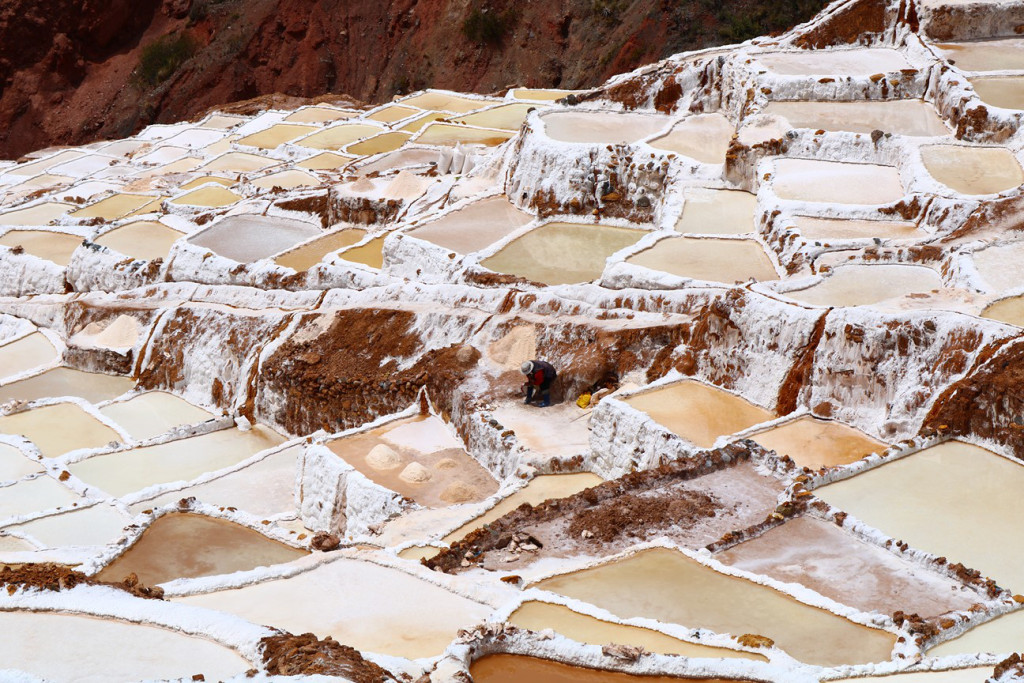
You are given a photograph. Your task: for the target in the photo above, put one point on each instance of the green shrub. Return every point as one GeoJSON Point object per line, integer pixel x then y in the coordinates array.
{"type": "Point", "coordinates": [163, 57]}
{"type": "Point", "coordinates": [487, 26]}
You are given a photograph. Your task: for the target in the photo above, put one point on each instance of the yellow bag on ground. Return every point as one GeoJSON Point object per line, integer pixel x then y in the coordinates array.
{"type": "Point", "coordinates": [583, 401]}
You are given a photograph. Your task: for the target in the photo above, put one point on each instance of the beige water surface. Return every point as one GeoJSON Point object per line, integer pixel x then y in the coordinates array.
{"type": "Point", "coordinates": [973, 170]}
{"type": "Point", "coordinates": [142, 240]}
{"type": "Point", "coordinates": [34, 167]}
{"type": "Point", "coordinates": [716, 260]}
{"type": "Point", "coordinates": [276, 135]}
{"type": "Point", "coordinates": [813, 442]}
{"type": "Point", "coordinates": [505, 117]}
{"type": "Point", "coordinates": [26, 353]}
{"type": "Point", "coordinates": [336, 137]}
{"type": "Point", "coordinates": [602, 127]}
{"type": "Point", "coordinates": [904, 117]}
{"type": "Point", "coordinates": [1009, 310]}
{"type": "Point", "coordinates": [717, 212]}
{"type": "Point", "coordinates": [704, 137]}
{"type": "Point", "coordinates": [378, 144]}
{"type": "Point", "coordinates": [115, 206]}
{"type": "Point", "coordinates": [153, 413]}
{"type": "Point", "coordinates": [78, 429]}
{"type": "Point", "coordinates": [319, 114]}
{"type": "Point", "coordinates": [287, 180]}
{"type": "Point", "coordinates": [850, 228]}
{"type": "Point", "coordinates": [1000, 91]}
{"type": "Point", "coordinates": [393, 112]}
{"type": "Point", "coordinates": [835, 62]}
{"type": "Point", "coordinates": [34, 495]}
{"type": "Point", "coordinates": [837, 182]}
{"type": "Point", "coordinates": [862, 285]}
{"type": "Point", "coordinates": [239, 162]}
{"type": "Point", "coordinates": [999, 636]}
{"type": "Point", "coordinates": [307, 255]}
{"type": "Point", "coordinates": [450, 134]}
{"type": "Point", "coordinates": [447, 102]}
{"type": "Point", "coordinates": [977, 675]}
{"type": "Point", "coordinates": [95, 525]}
{"type": "Point", "coordinates": [15, 465]}
{"type": "Point", "coordinates": [208, 196]}
{"type": "Point", "coordinates": [92, 386]}
{"type": "Point", "coordinates": [326, 161]}
{"type": "Point", "coordinates": [1000, 265]}
{"type": "Point", "coordinates": [52, 246]}
{"type": "Point", "coordinates": [503, 668]}
{"type": "Point", "coordinates": [1000, 54]}
{"type": "Point", "coordinates": [369, 254]}
{"type": "Point", "coordinates": [39, 214]}
{"type": "Point", "coordinates": [249, 237]}
{"type": "Point", "coordinates": [474, 227]}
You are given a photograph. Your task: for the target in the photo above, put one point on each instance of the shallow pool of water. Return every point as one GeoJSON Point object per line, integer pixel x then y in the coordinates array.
{"type": "Point", "coordinates": [903, 117]}
{"type": "Point", "coordinates": [502, 668]}
{"type": "Point", "coordinates": [15, 465]}
{"type": "Point", "coordinates": [142, 240]}
{"type": "Point", "coordinates": [153, 413]}
{"type": "Point", "coordinates": [812, 442]}
{"type": "Point", "coordinates": [115, 206]}
{"type": "Point", "coordinates": [474, 227]}
{"type": "Point", "coordinates": [835, 62]}
{"type": "Point", "coordinates": [450, 134]}
{"type": "Point", "coordinates": [542, 94]}
{"type": "Point", "coordinates": [378, 144]}
{"type": "Point", "coordinates": [715, 260]}
{"type": "Point", "coordinates": [863, 285]}
{"type": "Point", "coordinates": [393, 112]}
{"type": "Point", "coordinates": [704, 137]}
{"type": "Point", "coordinates": [52, 246]}
{"type": "Point", "coordinates": [977, 675]}
{"type": "Point", "coordinates": [326, 161]}
{"type": "Point", "coordinates": [812, 180]}
{"type": "Point", "coordinates": [602, 127]}
{"type": "Point", "coordinates": [26, 353]}
{"type": "Point", "coordinates": [318, 114]}
{"type": "Point", "coordinates": [249, 237]}
{"type": "Point", "coordinates": [78, 429]}
{"type": "Point", "coordinates": [717, 212]}
{"type": "Point", "coordinates": [208, 196]}
{"type": "Point", "coordinates": [505, 117]}
{"type": "Point", "coordinates": [973, 170]}
{"type": "Point", "coordinates": [39, 214]}
{"type": "Point", "coordinates": [92, 386]}
{"type": "Point", "coordinates": [1001, 635]}
{"type": "Point", "coordinates": [341, 135]}
{"type": "Point", "coordinates": [34, 495]}
{"type": "Point", "coordinates": [369, 254]}
{"type": "Point", "coordinates": [447, 102]}
{"type": "Point", "coordinates": [1009, 310]}
{"type": "Point", "coordinates": [287, 180]}
{"type": "Point", "coordinates": [1000, 91]}
{"type": "Point", "coordinates": [307, 255]}
{"type": "Point", "coordinates": [276, 135]}
{"type": "Point", "coordinates": [849, 228]}
{"type": "Point", "coordinates": [239, 162]}
{"type": "Point", "coordinates": [1000, 54]}
{"type": "Point", "coordinates": [34, 167]}
{"type": "Point", "coordinates": [999, 266]}
{"type": "Point", "coordinates": [96, 525]}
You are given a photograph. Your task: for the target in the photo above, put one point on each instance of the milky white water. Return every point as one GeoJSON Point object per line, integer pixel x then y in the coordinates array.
{"type": "Point", "coordinates": [837, 182]}
{"type": "Point", "coordinates": [92, 386]}
{"type": "Point", "coordinates": [474, 227]}
{"type": "Point", "coordinates": [78, 429]}
{"type": "Point", "coordinates": [716, 260]}
{"type": "Point", "coordinates": [973, 170]}
{"type": "Point", "coordinates": [26, 353]}
{"type": "Point", "coordinates": [862, 285]}
{"type": "Point", "coordinates": [717, 212]}
{"type": "Point", "coordinates": [142, 240]}
{"type": "Point", "coordinates": [153, 413]}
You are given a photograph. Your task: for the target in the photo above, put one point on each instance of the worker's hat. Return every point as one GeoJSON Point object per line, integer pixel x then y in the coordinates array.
{"type": "Point", "coordinates": [527, 367]}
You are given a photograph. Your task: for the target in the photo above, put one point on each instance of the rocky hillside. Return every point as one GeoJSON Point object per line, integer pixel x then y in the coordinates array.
{"type": "Point", "coordinates": [72, 71]}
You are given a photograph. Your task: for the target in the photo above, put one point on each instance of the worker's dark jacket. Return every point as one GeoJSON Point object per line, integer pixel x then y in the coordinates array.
{"type": "Point", "coordinates": [543, 374]}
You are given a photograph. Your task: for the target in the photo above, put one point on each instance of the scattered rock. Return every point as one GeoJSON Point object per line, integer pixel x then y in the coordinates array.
{"type": "Point", "coordinates": [324, 542]}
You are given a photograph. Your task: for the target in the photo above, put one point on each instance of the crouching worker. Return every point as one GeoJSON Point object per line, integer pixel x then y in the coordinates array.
{"type": "Point", "coordinates": [540, 375]}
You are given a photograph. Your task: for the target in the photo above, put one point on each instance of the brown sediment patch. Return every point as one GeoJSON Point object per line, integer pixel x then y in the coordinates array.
{"type": "Point", "coordinates": [56, 577]}
{"type": "Point", "coordinates": [638, 516]}
{"type": "Point", "coordinates": [509, 668]}
{"type": "Point", "coordinates": [306, 655]}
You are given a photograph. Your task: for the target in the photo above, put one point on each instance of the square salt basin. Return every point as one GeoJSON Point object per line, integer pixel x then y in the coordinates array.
{"type": "Point", "coordinates": [14, 464]}
{"type": "Point", "coordinates": [826, 559]}
{"type": "Point", "coordinates": [117, 206]}
{"type": "Point", "coordinates": [697, 412]}
{"type": "Point", "coordinates": [704, 138]}
{"type": "Point", "coordinates": [811, 180]}
{"type": "Point", "coordinates": [1000, 91]}
{"type": "Point", "coordinates": [142, 240]}
{"type": "Point", "coordinates": [812, 442]}
{"type": "Point", "coordinates": [341, 135]}
{"type": "Point", "coordinates": [562, 253]}
{"type": "Point", "coordinates": [426, 119]}
{"type": "Point", "coordinates": [390, 113]}
{"type": "Point", "coordinates": [207, 196]}
{"type": "Point", "coordinates": [35, 495]}
{"type": "Point", "coordinates": [668, 586]}
{"type": "Point", "coordinates": [275, 136]}
{"type": "Point", "coordinates": [973, 170]}
{"type": "Point", "coordinates": [78, 429]}
{"type": "Point", "coordinates": [709, 259]}
{"type": "Point", "coordinates": [863, 285]}
{"type": "Point", "coordinates": [505, 117]}
{"type": "Point", "coordinates": [717, 212]}
{"type": "Point", "coordinates": [183, 460]}
{"type": "Point", "coordinates": [250, 237]}
{"type": "Point", "coordinates": [542, 94]}
{"type": "Point", "coordinates": [96, 525]}
{"type": "Point", "coordinates": [318, 114]}
{"type": "Point", "coordinates": [849, 228]}
{"type": "Point", "coordinates": [932, 500]}
{"type": "Point", "coordinates": [239, 162]}
{"type": "Point", "coordinates": [326, 161]}
{"type": "Point", "coordinates": [369, 254]}
{"type": "Point", "coordinates": [1000, 54]}
{"type": "Point", "coordinates": [371, 601]}
{"type": "Point", "coordinates": [1000, 636]}
{"type": "Point", "coordinates": [403, 158]}
{"type": "Point", "coordinates": [379, 144]}
{"type": "Point", "coordinates": [56, 247]}
{"type": "Point", "coordinates": [834, 62]}
{"type": "Point", "coordinates": [38, 214]}
{"type": "Point", "coordinates": [903, 117]}
{"type": "Point", "coordinates": [475, 226]}
{"type": "Point", "coordinates": [420, 459]}
{"type": "Point", "coordinates": [34, 167]}
{"type": "Point", "coordinates": [91, 386]}
{"type": "Point", "coordinates": [287, 180]}
{"type": "Point", "coordinates": [22, 355]}
{"type": "Point", "coordinates": [1009, 310]}
{"type": "Point", "coordinates": [448, 102]}
{"type": "Point", "coordinates": [601, 127]}
{"type": "Point", "coordinates": [999, 266]}
{"type": "Point", "coordinates": [308, 254]}
{"type": "Point", "coordinates": [153, 413]}
{"type": "Point", "coordinates": [450, 135]}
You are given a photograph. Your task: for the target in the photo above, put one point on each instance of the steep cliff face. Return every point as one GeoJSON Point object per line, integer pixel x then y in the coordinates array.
{"type": "Point", "coordinates": [70, 69]}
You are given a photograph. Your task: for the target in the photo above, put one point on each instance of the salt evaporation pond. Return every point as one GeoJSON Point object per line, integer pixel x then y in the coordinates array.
{"type": "Point", "coordinates": [325, 161]}
{"type": "Point", "coordinates": [1000, 636]}
{"type": "Point", "coordinates": [82, 649]}
{"type": "Point", "coordinates": [977, 675]}
{"type": "Point", "coordinates": [277, 135]}
{"type": "Point", "coordinates": [307, 255]}
{"type": "Point", "coordinates": [502, 668]}
{"type": "Point", "coordinates": [142, 240]}
{"type": "Point", "coordinates": [418, 458]}
{"type": "Point", "coordinates": [602, 127]}
{"type": "Point", "coordinates": [367, 601]}
{"type": "Point", "coordinates": [287, 180]}
{"type": "Point", "coordinates": [542, 94]}
{"type": "Point", "coordinates": [33, 167]}
{"type": "Point", "coordinates": [182, 460]}
{"type": "Point", "coordinates": [378, 144]}
{"type": "Point", "coordinates": [91, 386]}
{"type": "Point", "coordinates": [78, 429]}
{"type": "Point", "coordinates": [450, 135]}
{"type": "Point", "coordinates": [835, 62]}
{"type": "Point", "coordinates": [250, 237]}
{"type": "Point", "coordinates": [26, 353]}
{"type": "Point", "coordinates": [704, 138]}
{"type": "Point", "coordinates": [15, 465]}
{"type": "Point", "coordinates": [341, 135]}
{"type": "Point", "coordinates": [715, 260]}
{"type": "Point", "coordinates": [698, 412]}
{"type": "Point", "coordinates": [562, 253]}
{"type": "Point", "coordinates": [717, 212]}
{"type": "Point", "coordinates": [911, 499]}
{"type": "Point", "coordinates": [404, 158]}
{"type": "Point", "coordinates": [812, 180]}
{"type": "Point", "coordinates": [475, 226]}
{"type": "Point", "coordinates": [668, 586]}
{"type": "Point", "coordinates": [1000, 91]}
{"type": "Point", "coordinates": [116, 206]}
{"type": "Point", "coordinates": [999, 265]}
{"type": "Point", "coordinates": [813, 442]}
{"type": "Point", "coordinates": [34, 495]}
{"type": "Point", "coordinates": [52, 246]}
{"type": "Point", "coordinates": [207, 196]}
{"type": "Point", "coordinates": [37, 214]}
{"type": "Point", "coordinates": [538, 616]}
{"type": "Point", "coordinates": [824, 558]}
{"type": "Point", "coordinates": [390, 113]}
{"type": "Point", "coordinates": [370, 254]}
{"type": "Point", "coordinates": [96, 525]}
{"type": "Point", "coordinates": [505, 117]}
{"type": "Point", "coordinates": [153, 413]}
{"type": "Point", "coordinates": [1009, 310]}
{"type": "Point", "coordinates": [863, 285]}
{"type": "Point", "coordinates": [182, 545]}
{"type": "Point", "coordinates": [239, 162]}
{"type": "Point", "coordinates": [851, 228]}
{"type": "Point", "coordinates": [903, 117]}
{"type": "Point", "coordinates": [1001, 54]}
{"type": "Point", "coordinates": [447, 102]}
{"type": "Point", "coordinates": [973, 170]}
{"type": "Point", "coordinates": [318, 114]}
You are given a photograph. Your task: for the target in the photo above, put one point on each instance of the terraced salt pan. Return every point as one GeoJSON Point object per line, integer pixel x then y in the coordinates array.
{"type": "Point", "coordinates": [115, 206]}
{"type": "Point", "coordinates": [222, 121]}
{"type": "Point", "coordinates": [538, 616]}
{"type": "Point", "coordinates": [450, 134]}
{"type": "Point", "coordinates": [601, 127]}
{"type": "Point", "coordinates": [503, 668]}
{"type": "Point", "coordinates": [52, 246]}
{"type": "Point", "coordinates": [277, 135]}
{"type": "Point", "coordinates": [35, 167]}
{"type": "Point", "coordinates": [903, 117]}
{"type": "Point", "coordinates": [305, 256]}
{"type": "Point", "coordinates": [208, 196]}
{"type": "Point", "coordinates": [153, 413]}
{"type": "Point", "coordinates": [863, 285]}
{"type": "Point", "coordinates": [378, 144]}
{"type": "Point", "coordinates": [368, 601]}
{"type": "Point", "coordinates": [716, 260]}
{"type": "Point", "coordinates": [326, 161]}
{"type": "Point", "coordinates": [666, 585]}
{"type": "Point", "coordinates": [912, 499]}
{"type": "Point", "coordinates": [178, 546]}
{"type": "Point", "coordinates": [183, 460]}
{"type": "Point", "coordinates": [142, 240]}
{"type": "Point", "coordinates": [1001, 54]}
{"type": "Point", "coordinates": [337, 137]}
{"type": "Point", "coordinates": [78, 429]}
{"type": "Point", "coordinates": [1000, 91]}
{"type": "Point", "coordinates": [834, 62]}
{"type": "Point", "coordinates": [999, 265]}
{"type": "Point", "coordinates": [1001, 635]}
{"type": "Point", "coordinates": [164, 154]}
{"type": "Point", "coordinates": [850, 228]}
{"type": "Point", "coordinates": [698, 412]}
{"type": "Point", "coordinates": [505, 117]}
{"type": "Point", "coordinates": [400, 159]}
{"type": "Point", "coordinates": [64, 647]}
{"type": "Point", "coordinates": [812, 442]}
{"type": "Point", "coordinates": [250, 237]}
{"type": "Point", "coordinates": [1009, 310]}
{"type": "Point", "coordinates": [43, 181]}
{"type": "Point", "coordinates": [38, 214]}
{"type": "Point", "coordinates": [978, 675]}
{"type": "Point", "coordinates": [542, 94]}
{"type": "Point", "coordinates": [287, 180]}
{"type": "Point", "coordinates": [34, 495]}
{"type": "Point", "coordinates": [181, 166]}
{"type": "Point", "coordinates": [318, 115]}
{"type": "Point", "coordinates": [26, 353]}
{"type": "Point", "coordinates": [393, 112]}
{"type": "Point", "coordinates": [418, 124]}
{"type": "Point", "coordinates": [370, 254]}
{"type": "Point", "coordinates": [92, 386]}
{"type": "Point", "coordinates": [203, 180]}
{"type": "Point", "coordinates": [704, 137]}
{"type": "Point", "coordinates": [15, 465]}
{"type": "Point", "coordinates": [447, 102]}
{"type": "Point", "coordinates": [474, 227]}
{"type": "Point", "coordinates": [238, 162]}
{"type": "Point", "coordinates": [561, 253]}
{"type": "Point", "coordinates": [557, 431]}
{"type": "Point", "coordinates": [812, 180]}
{"type": "Point", "coordinates": [96, 525]}
{"type": "Point", "coordinates": [717, 212]}
{"type": "Point", "coordinates": [822, 557]}
{"type": "Point", "coordinates": [973, 170]}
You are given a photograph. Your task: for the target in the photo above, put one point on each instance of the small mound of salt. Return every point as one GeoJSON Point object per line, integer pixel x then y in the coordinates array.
{"type": "Point", "coordinates": [415, 473]}
{"type": "Point", "coordinates": [458, 492]}
{"type": "Point", "coordinates": [445, 464]}
{"type": "Point", "coordinates": [383, 457]}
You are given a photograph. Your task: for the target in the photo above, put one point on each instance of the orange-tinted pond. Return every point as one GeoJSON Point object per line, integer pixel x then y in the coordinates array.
{"type": "Point", "coordinates": [522, 669]}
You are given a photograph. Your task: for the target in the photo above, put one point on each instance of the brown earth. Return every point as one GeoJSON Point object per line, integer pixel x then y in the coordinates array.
{"type": "Point", "coordinates": [639, 516]}
{"type": "Point", "coordinates": [306, 655]}
{"type": "Point", "coordinates": [56, 577]}
{"type": "Point", "coordinates": [69, 68]}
